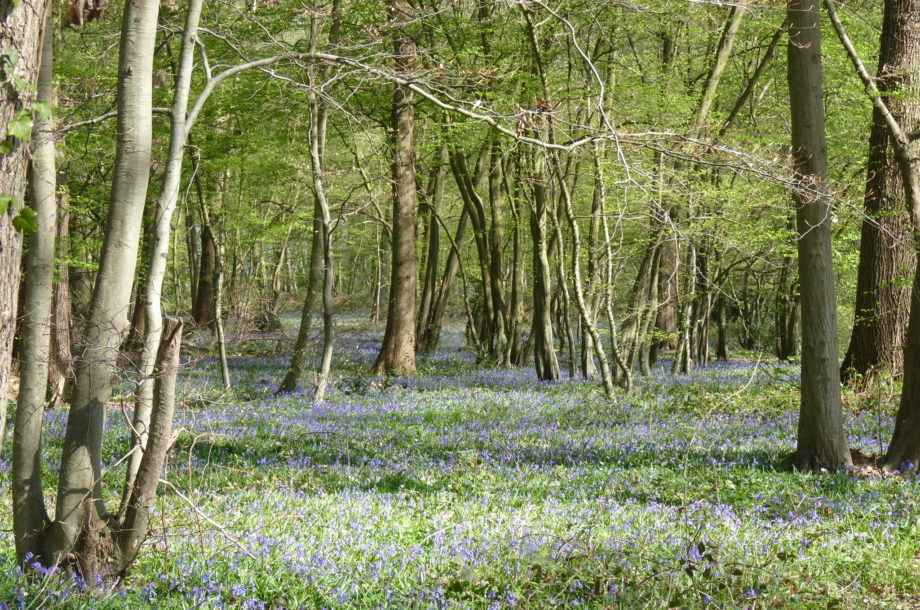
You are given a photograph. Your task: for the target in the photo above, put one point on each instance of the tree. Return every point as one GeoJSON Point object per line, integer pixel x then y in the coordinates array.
{"type": "Point", "coordinates": [901, 30]}
{"type": "Point", "coordinates": [83, 535]}
{"type": "Point", "coordinates": [885, 257]}
{"type": "Point", "coordinates": [397, 353]}
{"type": "Point", "coordinates": [319, 113]}
{"type": "Point", "coordinates": [36, 321]}
{"type": "Point", "coordinates": [821, 442]}
{"type": "Point", "coordinates": [22, 27]}
{"type": "Point", "coordinates": [159, 243]}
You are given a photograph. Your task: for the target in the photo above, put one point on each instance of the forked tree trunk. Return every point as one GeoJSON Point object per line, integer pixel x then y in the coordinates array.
{"type": "Point", "coordinates": [318, 247]}
{"type": "Point", "coordinates": [397, 354]}
{"type": "Point", "coordinates": [151, 298]}
{"type": "Point", "coordinates": [79, 533]}
{"type": "Point", "coordinates": [318, 117]}
{"type": "Point", "coordinates": [79, 508]}
{"type": "Point", "coordinates": [821, 440]}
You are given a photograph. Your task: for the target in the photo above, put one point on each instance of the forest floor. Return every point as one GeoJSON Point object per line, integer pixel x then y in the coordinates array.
{"type": "Point", "coordinates": [467, 487]}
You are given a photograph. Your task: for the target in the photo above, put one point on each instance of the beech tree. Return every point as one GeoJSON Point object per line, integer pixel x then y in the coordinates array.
{"type": "Point", "coordinates": [83, 535]}
{"type": "Point", "coordinates": [821, 441]}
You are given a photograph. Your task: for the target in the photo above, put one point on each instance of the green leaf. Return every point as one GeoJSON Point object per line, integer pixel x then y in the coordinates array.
{"type": "Point", "coordinates": [10, 59]}
{"type": "Point", "coordinates": [6, 147]}
{"type": "Point", "coordinates": [42, 110]}
{"type": "Point", "coordinates": [20, 127]}
{"type": "Point", "coordinates": [26, 221]}
{"type": "Point", "coordinates": [5, 201]}
{"type": "Point", "coordinates": [21, 84]}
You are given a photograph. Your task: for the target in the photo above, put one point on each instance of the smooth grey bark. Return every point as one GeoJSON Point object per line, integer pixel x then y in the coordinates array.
{"type": "Point", "coordinates": [159, 243]}
{"type": "Point", "coordinates": [821, 440]}
{"type": "Point", "coordinates": [623, 373]}
{"type": "Point", "coordinates": [320, 230]}
{"type": "Point", "coordinates": [80, 511]}
{"type": "Point", "coordinates": [219, 315]}
{"type": "Point", "coordinates": [61, 357]}
{"type": "Point", "coordinates": [318, 118]}
{"type": "Point", "coordinates": [584, 312]}
{"type": "Point", "coordinates": [30, 517]}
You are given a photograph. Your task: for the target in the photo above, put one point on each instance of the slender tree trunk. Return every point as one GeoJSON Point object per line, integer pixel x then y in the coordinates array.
{"type": "Point", "coordinates": [378, 276]}
{"type": "Point", "coordinates": [586, 321]}
{"type": "Point", "coordinates": [133, 528]}
{"type": "Point", "coordinates": [786, 311]}
{"type": "Point", "coordinates": [496, 259]}
{"type": "Point", "coordinates": [547, 365]}
{"type": "Point", "coordinates": [432, 333]}
{"type": "Point", "coordinates": [61, 359]}
{"type": "Point", "coordinates": [30, 517]}
{"type": "Point", "coordinates": [191, 246]}
{"type": "Point", "coordinates": [397, 354]}
{"type": "Point", "coordinates": [821, 440]}
{"type": "Point", "coordinates": [159, 242]}
{"type": "Point", "coordinates": [722, 330]}
{"type": "Point", "coordinates": [318, 116]}
{"type": "Point", "coordinates": [432, 201]}
{"type": "Point", "coordinates": [80, 512]}
{"type": "Point", "coordinates": [314, 284]}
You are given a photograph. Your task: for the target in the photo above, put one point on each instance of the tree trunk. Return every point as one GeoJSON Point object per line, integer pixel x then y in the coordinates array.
{"type": "Point", "coordinates": [29, 512]}
{"type": "Point", "coordinates": [151, 299]}
{"type": "Point", "coordinates": [432, 332]}
{"type": "Point", "coordinates": [132, 530]}
{"type": "Point", "coordinates": [314, 283]}
{"type": "Point", "coordinates": [318, 116]}
{"type": "Point", "coordinates": [885, 258]}
{"type": "Point", "coordinates": [21, 32]}
{"type": "Point", "coordinates": [821, 440]}
{"type": "Point", "coordinates": [787, 312]}
{"type": "Point", "coordinates": [900, 28]}
{"type": "Point", "coordinates": [61, 358]}
{"type": "Point", "coordinates": [397, 354]}
{"type": "Point", "coordinates": [204, 295]}
{"type": "Point", "coordinates": [80, 512]}
{"type": "Point", "coordinates": [547, 365]}
{"type": "Point", "coordinates": [432, 202]}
